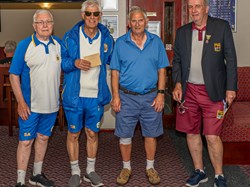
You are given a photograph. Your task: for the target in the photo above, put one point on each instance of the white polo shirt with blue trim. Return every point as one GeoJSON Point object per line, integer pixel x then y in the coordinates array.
{"type": "Point", "coordinates": [39, 66]}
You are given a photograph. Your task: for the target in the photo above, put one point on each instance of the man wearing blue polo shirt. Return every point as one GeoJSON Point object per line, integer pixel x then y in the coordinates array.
{"type": "Point", "coordinates": [35, 79]}
{"type": "Point", "coordinates": [138, 66]}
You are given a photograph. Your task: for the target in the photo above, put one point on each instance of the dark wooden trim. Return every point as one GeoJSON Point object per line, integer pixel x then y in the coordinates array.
{"type": "Point", "coordinates": [236, 153]}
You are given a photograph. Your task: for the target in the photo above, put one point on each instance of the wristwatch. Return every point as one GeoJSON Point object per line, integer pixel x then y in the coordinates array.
{"type": "Point", "coordinates": [161, 91]}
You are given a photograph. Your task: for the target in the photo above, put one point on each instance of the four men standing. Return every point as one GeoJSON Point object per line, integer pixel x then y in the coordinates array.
{"type": "Point", "coordinates": [202, 80]}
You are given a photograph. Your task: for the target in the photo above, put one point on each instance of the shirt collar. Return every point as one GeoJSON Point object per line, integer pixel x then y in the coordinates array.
{"type": "Point", "coordinates": [90, 39]}
{"type": "Point", "coordinates": [36, 42]}
{"type": "Point", "coordinates": [194, 27]}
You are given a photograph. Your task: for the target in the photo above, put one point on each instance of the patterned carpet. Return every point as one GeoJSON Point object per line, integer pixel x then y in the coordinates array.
{"type": "Point", "coordinates": [172, 161]}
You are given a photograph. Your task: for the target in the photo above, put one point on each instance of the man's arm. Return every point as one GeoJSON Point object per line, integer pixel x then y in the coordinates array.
{"type": "Point", "coordinates": [231, 65]}
{"type": "Point", "coordinates": [176, 70]}
{"type": "Point", "coordinates": [23, 109]}
{"type": "Point", "coordinates": [115, 103]}
{"type": "Point", "coordinates": [159, 100]}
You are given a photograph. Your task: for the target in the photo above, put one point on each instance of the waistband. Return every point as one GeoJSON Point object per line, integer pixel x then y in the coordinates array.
{"type": "Point", "coordinates": [135, 93]}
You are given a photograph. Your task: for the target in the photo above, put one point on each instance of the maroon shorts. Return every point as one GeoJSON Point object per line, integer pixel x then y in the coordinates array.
{"type": "Point", "coordinates": [199, 112]}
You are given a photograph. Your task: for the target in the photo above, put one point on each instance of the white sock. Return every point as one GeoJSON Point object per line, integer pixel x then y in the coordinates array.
{"type": "Point", "coordinates": [201, 170]}
{"type": "Point", "coordinates": [216, 176]}
{"type": "Point", "coordinates": [75, 169]}
{"type": "Point", "coordinates": [21, 176]}
{"type": "Point", "coordinates": [37, 168]}
{"type": "Point", "coordinates": [127, 165]}
{"type": "Point", "coordinates": [90, 165]}
{"type": "Point", "coordinates": [150, 164]}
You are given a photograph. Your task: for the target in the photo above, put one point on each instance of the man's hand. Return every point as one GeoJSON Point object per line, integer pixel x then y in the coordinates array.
{"type": "Point", "coordinates": [116, 104]}
{"type": "Point", "coordinates": [158, 103]}
{"type": "Point", "coordinates": [23, 110]}
{"type": "Point", "coordinates": [230, 96]}
{"type": "Point", "coordinates": [82, 64]}
{"type": "Point", "coordinates": [177, 92]}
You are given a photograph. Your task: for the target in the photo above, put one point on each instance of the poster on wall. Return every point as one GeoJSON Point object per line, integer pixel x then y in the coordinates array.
{"type": "Point", "coordinates": [224, 9]}
{"type": "Point", "coordinates": [154, 27]}
{"type": "Point", "coordinates": [111, 22]}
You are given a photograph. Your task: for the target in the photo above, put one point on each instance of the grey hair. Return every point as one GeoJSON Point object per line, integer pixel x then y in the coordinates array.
{"type": "Point", "coordinates": [206, 2]}
{"type": "Point", "coordinates": [42, 11]}
{"type": "Point", "coordinates": [90, 3]}
{"type": "Point", "coordinates": [134, 9]}
{"type": "Point", "coordinates": [10, 46]}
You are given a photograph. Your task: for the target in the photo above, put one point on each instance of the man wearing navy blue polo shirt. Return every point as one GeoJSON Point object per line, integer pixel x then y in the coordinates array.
{"type": "Point", "coordinates": [35, 78]}
{"type": "Point", "coordinates": [138, 66]}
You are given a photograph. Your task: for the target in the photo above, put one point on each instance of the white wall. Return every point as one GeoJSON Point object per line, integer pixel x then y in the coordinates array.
{"type": "Point", "coordinates": [242, 36]}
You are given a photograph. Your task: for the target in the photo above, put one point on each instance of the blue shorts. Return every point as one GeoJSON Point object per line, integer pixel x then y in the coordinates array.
{"type": "Point", "coordinates": [136, 108]}
{"type": "Point", "coordinates": [88, 114]}
{"type": "Point", "coordinates": [36, 123]}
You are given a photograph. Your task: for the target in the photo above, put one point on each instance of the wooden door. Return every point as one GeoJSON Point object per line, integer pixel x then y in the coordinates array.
{"type": "Point", "coordinates": [168, 12]}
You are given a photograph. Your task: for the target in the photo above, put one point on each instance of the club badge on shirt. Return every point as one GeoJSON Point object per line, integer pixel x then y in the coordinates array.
{"type": "Point", "coordinates": [57, 57]}
{"type": "Point", "coordinates": [105, 48]}
{"type": "Point", "coordinates": [217, 47]}
{"type": "Point", "coordinates": [208, 37]}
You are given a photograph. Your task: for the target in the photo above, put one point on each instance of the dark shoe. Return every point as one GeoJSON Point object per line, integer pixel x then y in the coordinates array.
{"type": "Point", "coordinates": [20, 185]}
{"type": "Point", "coordinates": [220, 181]}
{"type": "Point", "coordinates": [94, 179]}
{"type": "Point", "coordinates": [74, 181]}
{"type": "Point", "coordinates": [41, 180]}
{"type": "Point", "coordinates": [196, 178]}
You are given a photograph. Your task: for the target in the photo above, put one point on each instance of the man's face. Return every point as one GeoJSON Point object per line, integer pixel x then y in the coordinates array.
{"type": "Point", "coordinates": [198, 11]}
{"type": "Point", "coordinates": [43, 26]}
{"type": "Point", "coordinates": [138, 23]}
{"type": "Point", "coordinates": [92, 16]}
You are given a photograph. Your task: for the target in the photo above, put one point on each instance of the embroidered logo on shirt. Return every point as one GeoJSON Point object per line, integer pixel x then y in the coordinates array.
{"type": "Point", "coordinates": [57, 57]}
{"type": "Point", "coordinates": [217, 47]}
{"type": "Point", "coordinates": [208, 37]}
{"type": "Point", "coordinates": [105, 48]}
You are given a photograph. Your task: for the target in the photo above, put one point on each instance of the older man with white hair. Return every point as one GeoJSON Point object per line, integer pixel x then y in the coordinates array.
{"type": "Point", "coordinates": [37, 58]}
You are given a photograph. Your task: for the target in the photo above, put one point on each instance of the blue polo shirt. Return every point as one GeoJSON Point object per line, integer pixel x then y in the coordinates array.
{"type": "Point", "coordinates": [39, 66]}
{"type": "Point", "coordinates": [138, 68]}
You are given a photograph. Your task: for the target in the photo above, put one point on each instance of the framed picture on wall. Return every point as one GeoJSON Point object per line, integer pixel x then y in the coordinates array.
{"type": "Point", "coordinates": [109, 5]}
{"type": "Point", "coordinates": [154, 27]}
{"type": "Point", "coordinates": [224, 9]}
{"type": "Point", "coordinates": [111, 22]}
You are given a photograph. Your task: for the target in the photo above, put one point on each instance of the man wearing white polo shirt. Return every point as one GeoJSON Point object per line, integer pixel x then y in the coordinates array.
{"type": "Point", "coordinates": [86, 50]}
{"type": "Point", "coordinates": [35, 79]}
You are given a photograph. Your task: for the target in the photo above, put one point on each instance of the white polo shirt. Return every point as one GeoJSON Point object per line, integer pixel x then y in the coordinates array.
{"type": "Point", "coordinates": [39, 66]}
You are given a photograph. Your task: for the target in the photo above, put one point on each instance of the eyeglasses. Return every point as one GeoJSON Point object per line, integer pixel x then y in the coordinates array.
{"type": "Point", "coordinates": [96, 14]}
{"type": "Point", "coordinates": [41, 23]}
{"type": "Point", "coordinates": [181, 107]}
{"type": "Point", "coordinates": [196, 7]}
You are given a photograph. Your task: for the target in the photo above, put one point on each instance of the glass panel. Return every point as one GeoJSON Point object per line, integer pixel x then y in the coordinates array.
{"type": "Point", "coordinates": [169, 23]}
